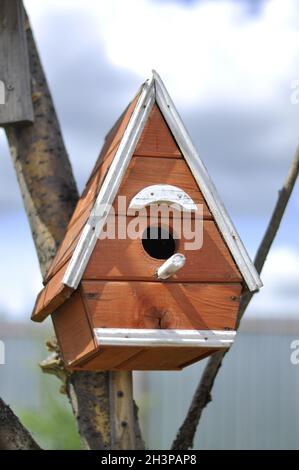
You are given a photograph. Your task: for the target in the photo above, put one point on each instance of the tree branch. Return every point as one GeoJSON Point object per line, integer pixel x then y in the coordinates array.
{"type": "Point", "coordinates": [13, 435]}
{"type": "Point", "coordinates": [49, 194]}
{"type": "Point", "coordinates": [202, 397]}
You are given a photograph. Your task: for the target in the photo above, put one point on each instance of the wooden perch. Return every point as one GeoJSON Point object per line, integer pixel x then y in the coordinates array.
{"type": "Point", "coordinates": [202, 397]}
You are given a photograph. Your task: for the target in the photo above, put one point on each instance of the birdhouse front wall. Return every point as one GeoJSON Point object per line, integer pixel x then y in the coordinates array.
{"type": "Point", "coordinates": [119, 288]}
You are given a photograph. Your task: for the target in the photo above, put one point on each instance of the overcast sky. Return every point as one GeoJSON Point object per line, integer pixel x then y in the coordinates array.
{"type": "Point", "coordinates": [229, 67]}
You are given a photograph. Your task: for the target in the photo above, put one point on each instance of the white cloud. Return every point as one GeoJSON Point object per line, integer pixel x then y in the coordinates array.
{"type": "Point", "coordinates": [280, 293]}
{"type": "Point", "coordinates": [210, 51]}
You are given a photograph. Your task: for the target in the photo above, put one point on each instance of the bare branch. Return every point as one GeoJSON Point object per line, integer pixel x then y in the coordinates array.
{"type": "Point", "coordinates": [49, 194]}
{"type": "Point", "coordinates": [13, 435]}
{"type": "Point", "coordinates": [202, 397]}
{"type": "Point", "coordinates": [89, 397]}
{"type": "Point", "coordinates": [42, 167]}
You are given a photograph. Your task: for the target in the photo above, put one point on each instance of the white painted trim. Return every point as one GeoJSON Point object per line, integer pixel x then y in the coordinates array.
{"type": "Point", "coordinates": [164, 338]}
{"type": "Point", "coordinates": [206, 186]}
{"type": "Point", "coordinates": [163, 193]}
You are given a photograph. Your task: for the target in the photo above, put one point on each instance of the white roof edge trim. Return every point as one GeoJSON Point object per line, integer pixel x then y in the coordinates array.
{"type": "Point", "coordinates": [206, 186]}
{"type": "Point", "coordinates": [110, 186]}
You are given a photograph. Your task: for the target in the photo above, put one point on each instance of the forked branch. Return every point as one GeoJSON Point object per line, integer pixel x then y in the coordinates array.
{"type": "Point", "coordinates": [13, 435]}
{"type": "Point", "coordinates": [185, 436]}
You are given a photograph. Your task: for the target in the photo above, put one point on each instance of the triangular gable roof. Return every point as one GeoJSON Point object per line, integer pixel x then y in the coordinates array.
{"type": "Point", "coordinates": [74, 253]}
{"type": "Point", "coordinates": [92, 187]}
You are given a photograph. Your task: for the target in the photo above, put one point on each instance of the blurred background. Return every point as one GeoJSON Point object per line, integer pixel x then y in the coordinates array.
{"type": "Point", "coordinates": [231, 68]}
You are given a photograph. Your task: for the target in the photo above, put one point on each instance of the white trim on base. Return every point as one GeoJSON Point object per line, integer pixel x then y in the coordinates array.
{"type": "Point", "coordinates": [164, 338]}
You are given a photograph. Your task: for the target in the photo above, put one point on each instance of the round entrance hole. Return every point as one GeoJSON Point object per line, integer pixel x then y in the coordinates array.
{"type": "Point", "coordinates": [158, 242]}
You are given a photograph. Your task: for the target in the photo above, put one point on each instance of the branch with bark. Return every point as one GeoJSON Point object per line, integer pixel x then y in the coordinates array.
{"type": "Point", "coordinates": [202, 396]}
{"type": "Point", "coordinates": [49, 194]}
{"type": "Point", "coordinates": [13, 435]}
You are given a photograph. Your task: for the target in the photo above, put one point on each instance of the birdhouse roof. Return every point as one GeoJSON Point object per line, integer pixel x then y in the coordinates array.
{"type": "Point", "coordinates": [101, 189]}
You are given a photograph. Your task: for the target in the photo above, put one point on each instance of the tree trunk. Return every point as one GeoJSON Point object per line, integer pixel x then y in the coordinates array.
{"type": "Point", "coordinates": [49, 193]}
{"type": "Point", "coordinates": [13, 435]}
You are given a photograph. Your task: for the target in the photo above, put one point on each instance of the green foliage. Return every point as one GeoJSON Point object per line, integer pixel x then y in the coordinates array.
{"type": "Point", "coordinates": [54, 425]}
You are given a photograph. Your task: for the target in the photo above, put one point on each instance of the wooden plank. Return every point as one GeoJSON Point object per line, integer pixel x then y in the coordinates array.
{"type": "Point", "coordinates": [117, 259]}
{"type": "Point", "coordinates": [122, 420]}
{"type": "Point", "coordinates": [73, 330]}
{"type": "Point", "coordinates": [156, 139]}
{"type": "Point", "coordinates": [161, 359]}
{"type": "Point", "coordinates": [129, 359]}
{"type": "Point", "coordinates": [162, 305]}
{"type": "Point", "coordinates": [146, 171]}
{"type": "Point", "coordinates": [141, 172]}
{"type": "Point", "coordinates": [14, 71]}
{"type": "Point", "coordinates": [108, 358]}
{"type": "Point", "coordinates": [120, 259]}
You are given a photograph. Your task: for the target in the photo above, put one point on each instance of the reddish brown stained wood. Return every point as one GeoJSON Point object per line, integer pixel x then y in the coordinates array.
{"type": "Point", "coordinates": [161, 305]}
{"type": "Point", "coordinates": [141, 172]}
{"type": "Point", "coordinates": [134, 358]}
{"type": "Point", "coordinates": [126, 259]}
{"type": "Point", "coordinates": [108, 358]}
{"type": "Point", "coordinates": [146, 171]}
{"type": "Point", "coordinates": [163, 358]}
{"type": "Point", "coordinates": [73, 330]}
{"type": "Point", "coordinates": [51, 297]}
{"type": "Point", "coordinates": [156, 138]}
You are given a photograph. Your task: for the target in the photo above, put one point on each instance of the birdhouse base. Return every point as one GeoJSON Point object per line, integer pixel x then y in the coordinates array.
{"type": "Point", "coordinates": [101, 328]}
{"type": "Point", "coordinates": [149, 349]}
{"type": "Point", "coordinates": [155, 349]}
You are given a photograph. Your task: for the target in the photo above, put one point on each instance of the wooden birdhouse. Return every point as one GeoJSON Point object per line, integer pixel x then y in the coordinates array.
{"type": "Point", "coordinates": [128, 291]}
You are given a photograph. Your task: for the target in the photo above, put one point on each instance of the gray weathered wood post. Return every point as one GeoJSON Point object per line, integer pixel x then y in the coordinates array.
{"type": "Point", "coordinates": [15, 90]}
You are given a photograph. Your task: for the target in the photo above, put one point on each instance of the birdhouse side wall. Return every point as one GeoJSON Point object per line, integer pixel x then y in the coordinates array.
{"type": "Point", "coordinates": [151, 305]}
{"type": "Point", "coordinates": [73, 330]}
